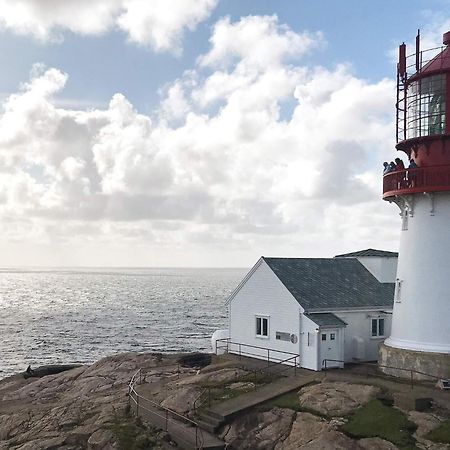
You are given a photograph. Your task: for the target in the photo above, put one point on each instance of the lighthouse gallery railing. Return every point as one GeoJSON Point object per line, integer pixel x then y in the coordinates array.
{"type": "Point", "coordinates": [411, 181]}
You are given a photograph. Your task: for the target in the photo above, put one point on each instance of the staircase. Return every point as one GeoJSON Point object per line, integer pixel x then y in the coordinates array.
{"type": "Point", "coordinates": [209, 420]}
{"type": "Point", "coordinates": [212, 418]}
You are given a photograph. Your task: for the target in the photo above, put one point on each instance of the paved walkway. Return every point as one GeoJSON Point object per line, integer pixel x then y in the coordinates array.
{"type": "Point", "coordinates": [229, 408]}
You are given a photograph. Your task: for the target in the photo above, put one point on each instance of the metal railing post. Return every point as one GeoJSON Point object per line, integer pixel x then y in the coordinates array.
{"type": "Point", "coordinates": [268, 359]}
{"type": "Point", "coordinates": [216, 345]}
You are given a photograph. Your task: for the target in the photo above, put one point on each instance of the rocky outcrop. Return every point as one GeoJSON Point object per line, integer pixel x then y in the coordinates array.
{"type": "Point", "coordinates": [426, 422]}
{"type": "Point", "coordinates": [336, 399]}
{"type": "Point", "coordinates": [259, 431]}
{"type": "Point", "coordinates": [312, 432]}
{"type": "Point", "coordinates": [72, 410]}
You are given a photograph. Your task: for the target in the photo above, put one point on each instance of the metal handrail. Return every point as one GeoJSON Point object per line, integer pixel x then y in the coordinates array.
{"type": "Point", "coordinates": [422, 179]}
{"type": "Point", "coordinates": [205, 395]}
{"type": "Point", "coordinates": [199, 440]}
{"type": "Point", "coordinates": [253, 346]}
{"type": "Point", "coordinates": [376, 365]}
{"type": "Point", "coordinates": [269, 357]}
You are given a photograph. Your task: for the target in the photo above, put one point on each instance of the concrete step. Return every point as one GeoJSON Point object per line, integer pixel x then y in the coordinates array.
{"type": "Point", "coordinates": [210, 416]}
{"type": "Point", "coordinates": [207, 426]}
{"type": "Point", "coordinates": [229, 408]}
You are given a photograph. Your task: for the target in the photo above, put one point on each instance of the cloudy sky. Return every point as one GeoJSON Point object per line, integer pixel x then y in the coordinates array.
{"type": "Point", "coordinates": [198, 132]}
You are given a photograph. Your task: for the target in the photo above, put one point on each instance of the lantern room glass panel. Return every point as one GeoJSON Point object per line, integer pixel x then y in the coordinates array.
{"type": "Point", "coordinates": [426, 107]}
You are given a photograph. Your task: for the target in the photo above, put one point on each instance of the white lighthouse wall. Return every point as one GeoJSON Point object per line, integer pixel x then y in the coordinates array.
{"type": "Point", "coordinates": [384, 269]}
{"type": "Point", "coordinates": [421, 313]}
{"type": "Point", "coordinates": [264, 295]}
{"type": "Point", "coordinates": [359, 345]}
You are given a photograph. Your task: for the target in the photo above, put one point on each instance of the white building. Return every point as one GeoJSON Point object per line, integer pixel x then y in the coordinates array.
{"type": "Point", "coordinates": [321, 309]}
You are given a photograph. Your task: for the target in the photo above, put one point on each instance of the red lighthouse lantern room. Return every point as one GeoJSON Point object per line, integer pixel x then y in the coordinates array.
{"type": "Point", "coordinates": [423, 124]}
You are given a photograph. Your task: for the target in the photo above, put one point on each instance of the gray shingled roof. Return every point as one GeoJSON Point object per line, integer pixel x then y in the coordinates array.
{"type": "Point", "coordinates": [326, 320]}
{"type": "Point", "coordinates": [332, 283]}
{"type": "Point", "coordinates": [368, 252]}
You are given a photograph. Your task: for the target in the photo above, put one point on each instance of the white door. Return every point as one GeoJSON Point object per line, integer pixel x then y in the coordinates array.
{"type": "Point", "coordinates": [330, 346]}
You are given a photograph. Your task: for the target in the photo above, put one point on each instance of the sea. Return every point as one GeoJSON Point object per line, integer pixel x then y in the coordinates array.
{"type": "Point", "coordinates": [59, 316]}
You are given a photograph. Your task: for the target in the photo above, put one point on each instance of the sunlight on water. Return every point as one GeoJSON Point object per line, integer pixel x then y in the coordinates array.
{"type": "Point", "coordinates": [69, 316]}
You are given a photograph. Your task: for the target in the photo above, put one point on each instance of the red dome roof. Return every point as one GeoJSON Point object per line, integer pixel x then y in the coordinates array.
{"type": "Point", "coordinates": [438, 64]}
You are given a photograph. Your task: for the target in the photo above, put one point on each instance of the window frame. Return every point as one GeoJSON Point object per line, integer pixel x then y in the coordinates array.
{"type": "Point", "coordinates": [377, 328]}
{"type": "Point", "coordinates": [398, 290]}
{"type": "Point", "coordinates": [262, 318]}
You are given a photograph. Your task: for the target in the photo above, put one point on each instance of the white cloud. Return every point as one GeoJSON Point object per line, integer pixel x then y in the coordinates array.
{"type": "Point", "coordinates": [158, 24]}
{"type": "Point", "coordinates": [258, 41]}
{"type": "Point", "coordinates": [235, 175]}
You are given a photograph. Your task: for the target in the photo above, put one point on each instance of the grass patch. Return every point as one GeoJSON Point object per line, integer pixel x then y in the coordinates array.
{"type": "Point", "coordinates": [378, 420]}
{"type": "Point", "coordinates": [288, 400]}
{"type": "Point", "coordinates": [131, 434]}
{"type": "Point", "coordinates": [220, 391]}
{"type": "Point", "coordinates": [440, 434]}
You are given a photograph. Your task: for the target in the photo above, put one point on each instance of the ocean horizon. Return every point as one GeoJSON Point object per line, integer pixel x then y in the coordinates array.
{"type": "Point", "coordinates": [59, 315]}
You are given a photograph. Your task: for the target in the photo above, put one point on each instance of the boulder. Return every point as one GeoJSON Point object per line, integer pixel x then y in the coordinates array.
{"type": "Point", "coordinates": [101, 440]}
{"type": "Point", "coordinates": [336, 399]}
{"type": "Point", "coordinates": [376, 444]}
{"type": "Point", "coordinates": [259, 431]}
{"type": "Point", "coordinates": [312, 432]}
{"type": "Point", "coordinates": [182, 400]}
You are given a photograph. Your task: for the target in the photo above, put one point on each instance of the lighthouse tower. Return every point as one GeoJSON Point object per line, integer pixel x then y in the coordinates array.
{"type": "Point", "coordinates": [420, 336]}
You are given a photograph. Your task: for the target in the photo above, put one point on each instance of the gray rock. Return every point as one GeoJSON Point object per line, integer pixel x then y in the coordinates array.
{"type": "Point", "coordinates": [376, 444]}
{"type": "Point", "coordinates": [259, 431]}
{"type": "Point", "coordinates": [101, 440]}
{"type": "Point", "coordinates": [336, 398]}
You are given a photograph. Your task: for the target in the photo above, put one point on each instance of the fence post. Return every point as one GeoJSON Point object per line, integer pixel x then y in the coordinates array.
{"type": "Point", "coordinates": [268, 359]}
{"type": "Point", "coordinates": [216, 345]}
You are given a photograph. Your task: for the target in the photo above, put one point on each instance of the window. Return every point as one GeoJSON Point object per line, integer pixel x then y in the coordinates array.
{"type": "Point", "coordinates": [262, 326]}
{"type": "Point", "coordinates": [377, 327]}
{"type": "Point", "coordinates": [405, 220]}
{"type": "Point", "coordinates": [426, 107]}
{"type": "Point", "coordinates": [332, 336]}
{"type": "Point", "coordinates": [324, 337]}
{"type": "Point", "coordinates": [398, 290]}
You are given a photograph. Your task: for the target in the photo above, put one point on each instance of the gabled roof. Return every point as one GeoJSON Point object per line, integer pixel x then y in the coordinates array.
{"type": "Point", "coordinates": [320, 284]}
{"type": "Point", "coordinates": [369, 252]}
{"type": "Point", "coordinates": [326, 320]}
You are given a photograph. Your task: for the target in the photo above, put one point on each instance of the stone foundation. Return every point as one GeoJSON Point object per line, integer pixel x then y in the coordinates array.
{"type": "Point", "coordinates": [437, 364]}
